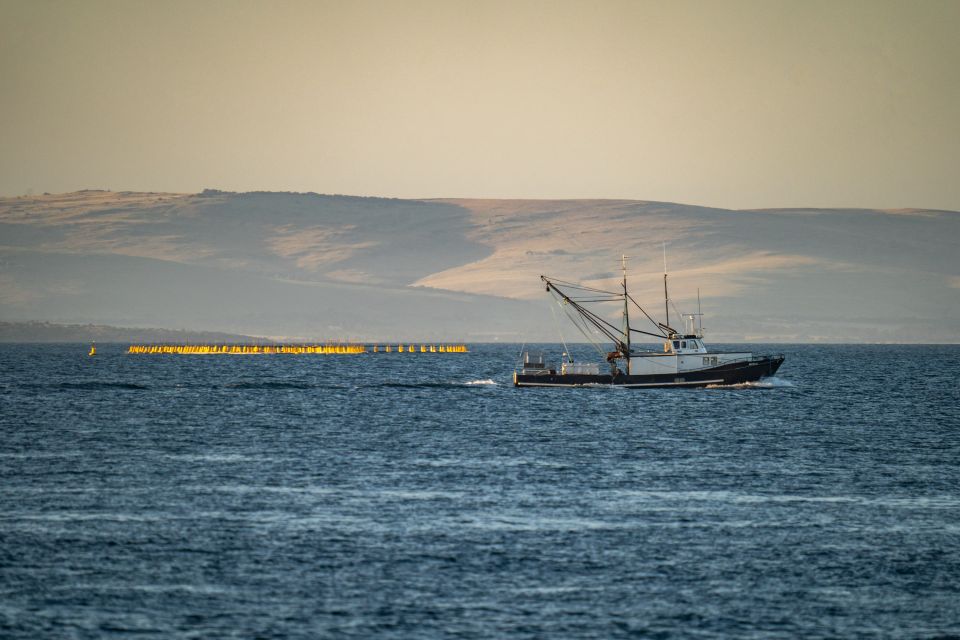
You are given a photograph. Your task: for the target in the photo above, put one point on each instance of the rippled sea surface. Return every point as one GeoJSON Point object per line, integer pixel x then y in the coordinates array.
{"type": "Point", "coordinates": [421, 495]}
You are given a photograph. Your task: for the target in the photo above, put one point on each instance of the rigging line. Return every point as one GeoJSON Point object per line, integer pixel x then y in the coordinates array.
{"type": "Point", "coordinates": [557, 322]}
{"type": "Point", "coordinates": [668, 327]}
{"type": "Point", "coordinates": [581, 291]}
{"type": "Point", "coordinates": [585, 332]}
{"type": "Point", "coordinates": [591, 294]}
{"type": "Point", "coordinates": [574, 320]}
{"type": "Point", "coordinates": [679, 315]}
{"type": "Point", "coordinates": [594, 294]}
{"type": "Point", "coordinates": [571, 283]}
{"type": "Point", "coordinates": [597, 299]}
{"type": "Point", "coordinates": [647, 333]}
{"type": "Point", "coordinates": [593, 318]}
{"type": "Point", "coordinates": [574, 285]}
{"type": "Point", "coordinates": [582, 327]}
{"type": "Point", "coordinates": [563, 300]}
{"type": "Point", "coordinates": [614, 332]}
{"type": "Point", "coordinates": [644, 312]}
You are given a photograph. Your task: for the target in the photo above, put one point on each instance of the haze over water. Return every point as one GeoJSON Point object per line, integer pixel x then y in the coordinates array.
{"type": "Point", "coordinates": [421, 495]}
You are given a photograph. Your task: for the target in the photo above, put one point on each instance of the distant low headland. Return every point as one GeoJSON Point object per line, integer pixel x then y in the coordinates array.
{"type": "Point", "coordinates": [53, 332]}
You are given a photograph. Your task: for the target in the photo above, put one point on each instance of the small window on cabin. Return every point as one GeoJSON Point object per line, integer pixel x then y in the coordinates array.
{"type": "Point", "coordinates": [676, 344]}
{"type": "Point", "coordinates": [683, 345]}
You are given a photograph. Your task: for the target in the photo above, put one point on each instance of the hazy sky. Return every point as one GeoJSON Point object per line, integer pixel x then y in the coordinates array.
{"type": "Point", "coordinates": [736, 104]}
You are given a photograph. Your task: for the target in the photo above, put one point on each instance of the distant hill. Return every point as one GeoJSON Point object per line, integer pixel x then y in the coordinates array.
{"type": "Point", "coordinates": [51, 332]}
{"type": "Point", "coordinates": [339, 267]}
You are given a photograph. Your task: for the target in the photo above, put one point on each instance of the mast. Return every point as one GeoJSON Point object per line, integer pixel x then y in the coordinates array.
{"type": "Point", "coordinates": [626, 312]}
{"type": "Point", "coordinates": [666, 297]}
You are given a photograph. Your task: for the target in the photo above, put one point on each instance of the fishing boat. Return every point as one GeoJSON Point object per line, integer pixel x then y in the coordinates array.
{"type": "Point", "coordinates": [684, 361]}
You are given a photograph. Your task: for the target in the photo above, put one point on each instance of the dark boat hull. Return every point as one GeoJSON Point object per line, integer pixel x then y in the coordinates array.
{"type": "Point", "coordinates": [733, 373]}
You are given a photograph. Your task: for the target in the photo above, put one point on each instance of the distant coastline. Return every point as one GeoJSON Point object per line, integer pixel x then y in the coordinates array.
{"type": "Point", "coordinates": [37, 331]}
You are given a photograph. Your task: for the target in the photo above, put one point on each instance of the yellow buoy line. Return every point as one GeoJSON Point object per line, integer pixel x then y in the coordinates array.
{"type": "Point", "coordinates": [189, 349]}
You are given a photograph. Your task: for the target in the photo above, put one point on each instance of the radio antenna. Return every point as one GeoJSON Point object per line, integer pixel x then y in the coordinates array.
{"type": "Point", "coordinates": [699, 312]}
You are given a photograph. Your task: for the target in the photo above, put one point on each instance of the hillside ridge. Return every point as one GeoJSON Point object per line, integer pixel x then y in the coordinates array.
{"type": "Point", "coordinates": [311, 264]}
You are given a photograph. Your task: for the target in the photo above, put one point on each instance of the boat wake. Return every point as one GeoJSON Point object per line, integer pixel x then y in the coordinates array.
{"type": "Point", "coordinates": [763, 383]}
{"type": "Point", "coordinates": [90, 386]}
{"type": "Point", "coordinates": [268, 384]}
{"type": "Point", "coordinates": [435, 385]}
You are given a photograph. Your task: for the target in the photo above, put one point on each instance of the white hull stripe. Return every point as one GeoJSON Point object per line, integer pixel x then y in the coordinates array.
{"type": "Point", "coordinates": [610, 384]}
{"type": "Point", "coordinates": [670, 384]}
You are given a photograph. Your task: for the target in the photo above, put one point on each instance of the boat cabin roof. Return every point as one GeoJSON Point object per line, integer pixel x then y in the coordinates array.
{"type": "Point", "coordinates": [684, 344]}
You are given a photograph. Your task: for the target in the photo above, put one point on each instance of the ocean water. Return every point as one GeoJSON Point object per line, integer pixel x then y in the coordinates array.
{"type": "Point", "coordinates": [422, 496]}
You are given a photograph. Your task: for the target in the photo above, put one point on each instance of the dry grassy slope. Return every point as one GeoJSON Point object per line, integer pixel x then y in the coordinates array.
{"type": "Point", "coordinates": [796, 274]}
{"type": "Point", "coordinates": [582, 240]}
{"type": "Point", "coordinates": [278, 264]}
{"type": "Point", "coordinates": [721, 251]}
{"type": "Point", "coordinates": [309, 237]}
{"type": "Point", "coordinates": [785, 274]}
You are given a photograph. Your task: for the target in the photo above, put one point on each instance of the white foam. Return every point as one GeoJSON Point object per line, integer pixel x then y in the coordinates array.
{"type": "Point", "coordinates": [474, 383]}
{"type": "Point", "coordinates": [764, 383]}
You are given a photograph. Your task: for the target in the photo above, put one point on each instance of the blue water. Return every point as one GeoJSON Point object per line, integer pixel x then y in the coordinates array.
{"type": "Point", "coordinates": [421, 495]}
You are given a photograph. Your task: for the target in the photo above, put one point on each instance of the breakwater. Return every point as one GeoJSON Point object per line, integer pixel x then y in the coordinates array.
{"type": "Point", "coordinates": [338, 348]}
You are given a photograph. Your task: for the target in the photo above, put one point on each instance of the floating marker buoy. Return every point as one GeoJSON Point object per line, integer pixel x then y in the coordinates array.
{"type": "Point", "coordinates": [328, 348]}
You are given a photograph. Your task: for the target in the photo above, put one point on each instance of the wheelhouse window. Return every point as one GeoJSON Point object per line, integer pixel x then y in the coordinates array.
{"type": "Point", "coordinates": [676, 344]}
{"type": "Point", "coordinates": [683, 345]}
